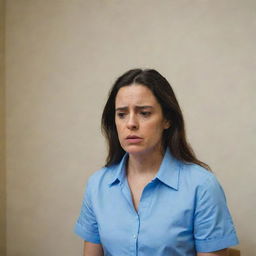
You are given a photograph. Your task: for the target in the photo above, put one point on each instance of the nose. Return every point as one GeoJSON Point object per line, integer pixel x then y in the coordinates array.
{"type": "Point", "coordinates": [132, 123]}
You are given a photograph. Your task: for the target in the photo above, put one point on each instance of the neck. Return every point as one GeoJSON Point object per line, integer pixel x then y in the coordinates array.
{"type": "Point", "coordinates": [144, 164]}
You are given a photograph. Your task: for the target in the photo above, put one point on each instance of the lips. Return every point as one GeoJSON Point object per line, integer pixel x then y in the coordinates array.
{"type": "Point", "coordinates": [133, 139]}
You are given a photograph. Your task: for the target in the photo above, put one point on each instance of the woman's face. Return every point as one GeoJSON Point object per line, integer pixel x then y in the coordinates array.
{"type": "Point", "coordinates": [139, 120]}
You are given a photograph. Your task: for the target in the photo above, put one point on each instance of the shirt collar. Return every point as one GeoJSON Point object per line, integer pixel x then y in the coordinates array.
{"type": "Point", "coordinates": [168, 172]}
{"type": "Point", "coordinates": [119, 171]}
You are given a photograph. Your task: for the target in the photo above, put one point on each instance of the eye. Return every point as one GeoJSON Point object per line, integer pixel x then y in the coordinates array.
{"type": "Point", "coordinates": [121, 115]}
{"type": "Point", "coordinates": [145, 113]}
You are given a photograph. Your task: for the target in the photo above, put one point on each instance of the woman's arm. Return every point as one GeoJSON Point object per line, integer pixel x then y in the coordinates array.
{"type": "Point", "coordinates": [91, 249]}
{"type": "Point", "coordinates": [217, 253]}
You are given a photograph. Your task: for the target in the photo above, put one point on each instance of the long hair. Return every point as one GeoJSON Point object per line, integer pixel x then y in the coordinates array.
{"type": "Point", "coordinates": [174, 137]}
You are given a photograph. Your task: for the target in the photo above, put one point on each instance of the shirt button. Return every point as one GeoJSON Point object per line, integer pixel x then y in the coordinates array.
{"type": "Point", "coordinates": [134, 236]}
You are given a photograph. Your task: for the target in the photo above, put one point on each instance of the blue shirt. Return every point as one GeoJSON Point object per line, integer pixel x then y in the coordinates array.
{"type": "Point", "coordinates": [181, 211]}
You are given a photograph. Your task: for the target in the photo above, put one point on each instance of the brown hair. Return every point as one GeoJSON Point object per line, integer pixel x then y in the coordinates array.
{"type": "Point", "coordinates": [173, 137]}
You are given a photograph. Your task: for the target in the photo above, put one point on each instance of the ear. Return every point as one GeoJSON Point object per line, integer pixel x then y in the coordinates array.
{"type": "Point", "coordinates": [166, 124]}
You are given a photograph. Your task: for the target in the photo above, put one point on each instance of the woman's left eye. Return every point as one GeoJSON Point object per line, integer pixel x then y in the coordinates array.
{"type": "Point", "coordinates": [145, 113]}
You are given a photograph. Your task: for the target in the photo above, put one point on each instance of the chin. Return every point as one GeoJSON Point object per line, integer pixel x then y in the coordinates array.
{"type": "Point", "coordinates": [134, 149]}
{"type": "Point", "coordinates": [140, 150]}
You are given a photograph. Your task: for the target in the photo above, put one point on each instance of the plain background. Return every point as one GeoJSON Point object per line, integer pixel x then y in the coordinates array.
{"type": "Point", "coordinates": [2, 139]}
{"type": "Point", "coordinates": [61, 58]}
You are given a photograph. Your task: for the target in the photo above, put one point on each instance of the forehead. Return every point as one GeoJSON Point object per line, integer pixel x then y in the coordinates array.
{"type": "Point", "coordinates": [135, 95]}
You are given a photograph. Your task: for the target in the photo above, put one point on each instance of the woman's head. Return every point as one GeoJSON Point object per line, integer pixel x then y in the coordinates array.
{"type": "Point", "coordinates": [153, 83]}
{"type": "Point", "coordinates": [139, 120]}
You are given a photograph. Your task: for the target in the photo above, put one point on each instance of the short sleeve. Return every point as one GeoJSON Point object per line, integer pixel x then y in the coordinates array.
{"type": "Point", "coordinates": [213, 225]}
{"type": "Point", "coordinates": [86, 225]}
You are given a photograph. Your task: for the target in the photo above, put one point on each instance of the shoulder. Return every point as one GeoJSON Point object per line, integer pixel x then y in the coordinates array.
{"type": "Point", "coordinates": [204, 189]}
{"type": "Point", "coordinates": [198, 177]}
{"type": "Point", "coordinates": [196, 172]}
{"type": "Point", "coordinates": [101, 177]}
{"type": "Point", "coordinates": [98, 184]}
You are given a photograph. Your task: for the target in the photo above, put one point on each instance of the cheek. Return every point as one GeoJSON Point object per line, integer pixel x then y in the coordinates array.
{"type": "Point", "coordinates": [119, 128]}
{"type": "Point", "coordinates": [117, 124]}
{"type": "Point", "coordinates": [154, 130]}
{"type": "Point", "coordinates": [156, 126]}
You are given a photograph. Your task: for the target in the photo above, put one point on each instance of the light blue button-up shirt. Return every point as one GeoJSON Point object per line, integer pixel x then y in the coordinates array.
{"type": "Point", "coordinates": [181, 211]}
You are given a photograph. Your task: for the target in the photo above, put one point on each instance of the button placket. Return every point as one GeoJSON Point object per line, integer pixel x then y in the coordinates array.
{"type": "Point", "coordinates": [136, 233]}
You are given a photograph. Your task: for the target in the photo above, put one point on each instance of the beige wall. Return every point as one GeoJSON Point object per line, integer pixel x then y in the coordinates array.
{"type": "Point", "coordinates": [61, 59]}
{"type": "Point", "coordinates": [2, 138]}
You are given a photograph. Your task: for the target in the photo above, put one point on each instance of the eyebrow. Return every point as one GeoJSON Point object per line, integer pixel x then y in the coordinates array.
{"type": "Point", "coordinates": [137, 107]}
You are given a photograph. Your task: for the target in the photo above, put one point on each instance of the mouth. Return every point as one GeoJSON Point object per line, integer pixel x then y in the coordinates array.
{"type": "Point", "coordinates": [133, 139]}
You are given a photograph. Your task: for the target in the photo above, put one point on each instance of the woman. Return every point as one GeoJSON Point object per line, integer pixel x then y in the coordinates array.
{"type": "Point", "coordinates": [153, 197]}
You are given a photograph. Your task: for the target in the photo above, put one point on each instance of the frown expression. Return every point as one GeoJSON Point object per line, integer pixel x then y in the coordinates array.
{"type": "Point", "coordinates": [139, 119]}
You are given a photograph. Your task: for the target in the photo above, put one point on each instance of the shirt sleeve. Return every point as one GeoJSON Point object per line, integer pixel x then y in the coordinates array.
{"type": "Point", "coordinates": [213, 225]}
{"type": "Point", "coordinates": [86, 225]}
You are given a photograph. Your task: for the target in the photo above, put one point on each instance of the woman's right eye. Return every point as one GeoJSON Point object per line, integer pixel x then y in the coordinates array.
{"type": "Point", "coordinates": [121, 114]}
